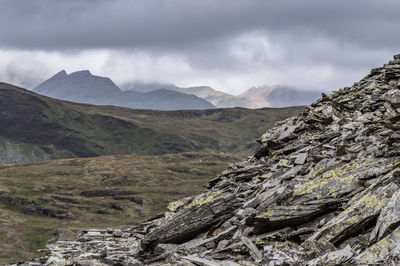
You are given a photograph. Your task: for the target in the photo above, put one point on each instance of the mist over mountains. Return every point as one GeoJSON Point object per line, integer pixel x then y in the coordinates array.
{"type": "Point", "coordinates": [83, 87]}
{"type": "Point", "coordinates": [256, 97]}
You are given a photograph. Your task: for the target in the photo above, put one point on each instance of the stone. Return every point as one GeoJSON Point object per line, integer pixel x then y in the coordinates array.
{"type": "Point", "coordinates": [301, 158]}
{"type": "Point", "coordinates": [392, 96]}
{"type": "Point", "coordinates": [385, 251]}
{"type": "Point", "coordinates": [339, 257]}
{"type": "Point", "coordinates": [200, 261]}
{"type": "Point", "coordinates": [353, 219]}
{"type": "Point", "coordinates": [388, 219]}
{"type": "Point", "coordinates": [254, 252]}
{"type": "Point", "coordinates": [200, 215]}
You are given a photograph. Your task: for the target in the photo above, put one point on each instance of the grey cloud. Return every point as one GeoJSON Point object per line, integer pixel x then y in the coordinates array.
{"type": "Point", "coordinates": [222, 41]}
{"type": "Point", "coordinates": [176, 24]}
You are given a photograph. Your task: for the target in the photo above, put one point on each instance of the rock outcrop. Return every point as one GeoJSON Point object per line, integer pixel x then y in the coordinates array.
{"type": "Point", "coordinates": [323, 190]}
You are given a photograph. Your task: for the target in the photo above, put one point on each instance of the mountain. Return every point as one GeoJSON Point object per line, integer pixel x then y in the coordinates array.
{"type": "Point", "coordinates": [276, 96]}
{"type": "Point", "coordinates": [83, 87]}
{"type": "Point", "coordinates": [35, 128]}
{"type": "Point", "coordinates": [163, 99]}
{"type": "Point", "coordinates": [207, 93]}
{"type": "Point", "coordinates": [147, 87]}
{"type": "Point", "coordinates": [256, 97]}
{"type": "Point", "coordinates": [323, 190]}
{"type": "Point", "coordinates": [80, 86]}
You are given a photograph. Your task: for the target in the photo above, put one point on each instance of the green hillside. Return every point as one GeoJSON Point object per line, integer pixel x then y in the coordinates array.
{"type": "Point", "coordinates": [34, 128]}
{"type": "Point", "coordinates": [72, 194]}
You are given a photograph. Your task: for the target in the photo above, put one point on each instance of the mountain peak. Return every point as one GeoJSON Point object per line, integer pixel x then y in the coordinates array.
{"type": "Point", "coordinates": [62, 73]}
{"type": "Point", "coordinates": [81, 73]}
{"type": "Point", "coordinates": [59, 75]}
{"type": "Point", "coordinates": [83, 87]}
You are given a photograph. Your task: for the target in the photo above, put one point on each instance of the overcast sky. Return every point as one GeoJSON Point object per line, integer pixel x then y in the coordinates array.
{"type": "Point", "coordinates": [230, 45]}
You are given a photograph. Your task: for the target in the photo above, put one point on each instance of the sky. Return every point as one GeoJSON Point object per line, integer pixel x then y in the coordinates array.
{"type": "Point", "coordinates": [229, 45]}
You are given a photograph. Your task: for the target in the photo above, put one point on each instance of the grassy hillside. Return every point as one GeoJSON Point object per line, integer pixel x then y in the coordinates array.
{"type": "Point", "coordinates": [72, 194]}
{"type": "Point", "coordinates": [35, 128]}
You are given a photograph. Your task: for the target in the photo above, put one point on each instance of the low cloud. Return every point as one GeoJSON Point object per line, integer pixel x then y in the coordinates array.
{"type": "Point", "coordinates": [228, 45]}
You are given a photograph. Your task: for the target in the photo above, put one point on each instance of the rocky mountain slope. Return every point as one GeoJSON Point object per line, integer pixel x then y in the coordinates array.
{"type": "Point", "coordinates": [34, 128]}
{"type": "Point", "coordinates": [83, 87]}
{"type": "Point", "coordinates": [323, 190]}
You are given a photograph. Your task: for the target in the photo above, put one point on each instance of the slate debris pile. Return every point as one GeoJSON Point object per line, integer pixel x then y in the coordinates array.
{"type": "Point", "coordinates": [323, 190]}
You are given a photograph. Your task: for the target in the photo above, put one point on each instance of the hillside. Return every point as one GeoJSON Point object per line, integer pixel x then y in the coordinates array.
{"type": "Point", "coordinates": [163, 99]}
{"type": "Point", "coordinates": [54, 200]}
{"type": "Point", "coordinates": [83, 87]}
{"type": "Point", "coordinates": [146, 87]}
{"type": "Point", "coordinates": [34, 128]}
{"type": "Point", "coordinates": [323, 190]}
{"type": "Point", "coordinates": [213, 96]}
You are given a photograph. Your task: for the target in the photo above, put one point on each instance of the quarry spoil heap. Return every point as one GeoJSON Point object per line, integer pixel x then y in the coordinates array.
{"type": "Point", "coordinates": [323, 190]}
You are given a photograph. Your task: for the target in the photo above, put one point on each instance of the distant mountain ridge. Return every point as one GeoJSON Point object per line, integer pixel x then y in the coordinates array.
{"type": "Point", "coordinates": [255, 97]}
{"type": "Point", "coordinates": [276, 96]}
{"type": "Point", "coordinates": [83, 87]}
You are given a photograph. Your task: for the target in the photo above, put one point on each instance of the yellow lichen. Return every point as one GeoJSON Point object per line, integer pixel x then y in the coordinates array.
{"type": "Point", "coordinates": [173, 206]}
{"type": "Point", "coordinates": [332, 181]}
{"type": "Point", "coordinates": [367, 206]}
{"type": "Point", "coordinates": [344, 99]}
{"type": "Point", "coordinates": [204, 200]}
{"type": "Point", "coordinates": [266, 176]}
{"type": "Point", "coordinates": [265, 215]}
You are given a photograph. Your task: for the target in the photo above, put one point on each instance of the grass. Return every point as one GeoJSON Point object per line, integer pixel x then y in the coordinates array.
{"type": "Point", "coordinates": [158, 180]}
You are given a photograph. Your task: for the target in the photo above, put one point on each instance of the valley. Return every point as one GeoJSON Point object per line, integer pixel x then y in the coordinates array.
{"type": "Point", "coordinates": [55, 200]}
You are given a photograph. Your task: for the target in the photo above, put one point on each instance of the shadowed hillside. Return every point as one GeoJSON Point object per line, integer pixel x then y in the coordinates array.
{"type": "Point", "coordinates": [34, 128]}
